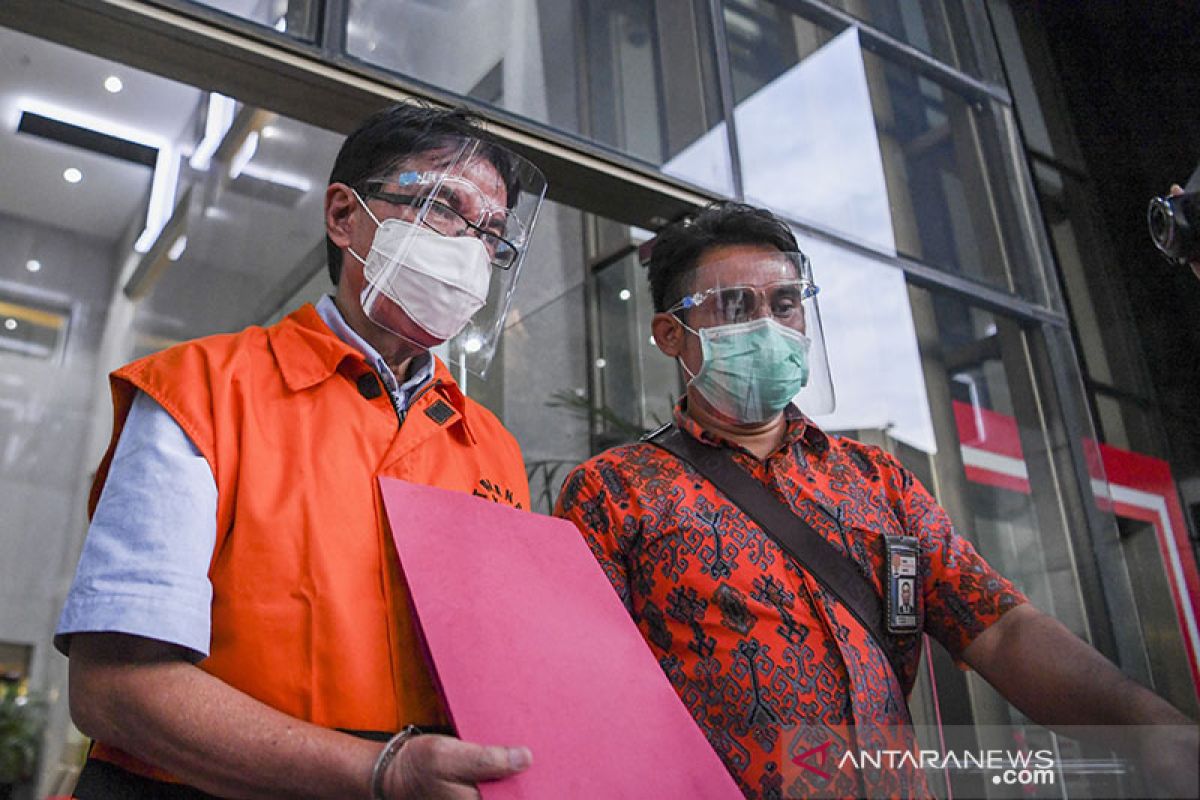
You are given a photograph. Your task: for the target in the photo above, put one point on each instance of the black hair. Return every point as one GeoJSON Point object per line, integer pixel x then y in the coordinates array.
{"type": "Point", "coordinates": [389, 137]}
{"type": "Point", "coordinates": [679, 246]}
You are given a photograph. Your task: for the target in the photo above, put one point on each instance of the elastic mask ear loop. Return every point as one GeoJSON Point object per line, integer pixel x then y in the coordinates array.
{"type": "Point", "coordinates": [691, 375]}
{"type": "Point", "coordinates": [374, 219]}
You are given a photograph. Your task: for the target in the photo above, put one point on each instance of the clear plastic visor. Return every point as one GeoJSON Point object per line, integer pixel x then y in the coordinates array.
{"type": "Point", "coordinates": [447, 277]}
{"type": "Point", "coordinates": [780, 286]}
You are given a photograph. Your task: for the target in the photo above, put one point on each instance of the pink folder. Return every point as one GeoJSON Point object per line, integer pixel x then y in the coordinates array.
{"type": "Point", "coordinates": [532, 647]}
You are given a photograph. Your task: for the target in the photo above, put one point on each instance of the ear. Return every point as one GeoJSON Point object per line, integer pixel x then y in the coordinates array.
{"type": "Point", "coordinates": [340, 204]}
{"type": "Point", "coordinates": [668, 334]}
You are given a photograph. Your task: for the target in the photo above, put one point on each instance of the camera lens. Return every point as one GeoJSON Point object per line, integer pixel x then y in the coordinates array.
{"type": "Point", "coordinates": [1162, 223]}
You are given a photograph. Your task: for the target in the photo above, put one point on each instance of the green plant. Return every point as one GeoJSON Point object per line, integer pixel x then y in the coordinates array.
{"type": "Point", "coordinates": [20, 732]}
{"type": "Point", "coordinates": [618, 428]}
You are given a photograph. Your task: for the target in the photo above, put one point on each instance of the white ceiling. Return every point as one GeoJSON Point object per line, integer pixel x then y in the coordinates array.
{"type": "Point", "coordinates": [240, 244]}
{"type": "Point", "coordinates": [113, 192]}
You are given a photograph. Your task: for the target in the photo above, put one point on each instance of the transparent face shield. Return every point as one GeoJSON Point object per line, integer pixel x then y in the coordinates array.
{"type": "Point", "coordinates": [454, 226]}
{"type": "Point", "coordinates": [751, 364]}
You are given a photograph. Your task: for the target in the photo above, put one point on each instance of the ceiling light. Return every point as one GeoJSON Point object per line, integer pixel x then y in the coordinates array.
{"type": "Point", "coordinates": [244, 154]}
{"type": "Point", "coordinates": [33, 265]}
{"type": "Point", "coordinates": [72, 175]}
{"type": "Point", "coordinates": [10, 324]}
{"type": "Point", "coordinates": [167, 246]}
{"type": "Point", "coordinates": [601, 363]}
{"type": "Point", "coordinates": [297, 182]}
{"type": "Point", "coordinates": [113, 84]}
{"type": "Point", "coordinates": [625, 294]}
{"type": "Point", "coordinates": [176, 251]}
{"type": "Point", "coordinates": [166, 166]}
{"type": "Point", "coordinates": [216, 122]}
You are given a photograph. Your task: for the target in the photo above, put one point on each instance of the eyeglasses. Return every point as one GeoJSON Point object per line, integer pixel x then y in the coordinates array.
{"type": "Point", "coordinates": [445, 211]}
{"type": "Point", "coordinates": [732, 304]}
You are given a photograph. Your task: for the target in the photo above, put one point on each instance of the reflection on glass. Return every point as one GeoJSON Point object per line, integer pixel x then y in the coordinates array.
{"type": "Point", "coordinates": [832, 135]}
{"type": "Point", "coordinates": [538, 384]}
{"type": "Point", "coordinates": [625, 357]}
{"type": "Point", "coordinates": [253, 230]}
{"type": "Point", "coordinates": [952, 31]}
{"type": "Point", "coordinates": [30, 328]}
{"type": "Point", "coordinates": [872, 346]}
{"type": "Point", "coordinates": [809, 147]}
{"type": "Point", "coordinates": [990, 430]}
{"type": "Point", "coordinates": [608, 71]}
{"type": "Point", "coordinates": [296, 18]}
{"type": "Point", "coordinates": [1001, 490]}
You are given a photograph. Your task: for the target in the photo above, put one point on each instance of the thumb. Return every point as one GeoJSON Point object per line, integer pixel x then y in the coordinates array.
{"type": "Point", "coordinates": [466, 762]}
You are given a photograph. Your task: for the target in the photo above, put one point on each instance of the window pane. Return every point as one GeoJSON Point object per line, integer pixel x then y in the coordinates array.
{"type": "Point", "coordinates": [296, 18]}
{"type": "Point", "coordinates": [953, 32]}
{"type": "Point", "coordinates": [538, 383]}
{"type": "Point", "coordinates": [1005, 478]}
{"type": "Point", "coordinates": [843, 139]}
{"type": "Point", "coordinates": [626, 357]}
{"type": "Point", "coordinates": [631, 75]}
{"type": "Point", "coordinates": [874, 357]}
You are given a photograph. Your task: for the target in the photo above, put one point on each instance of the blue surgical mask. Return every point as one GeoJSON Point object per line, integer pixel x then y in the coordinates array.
{"type": "Point", "coordinates": [751, 370]}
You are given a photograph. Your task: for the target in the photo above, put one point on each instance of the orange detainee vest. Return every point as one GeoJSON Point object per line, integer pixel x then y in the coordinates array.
{"type": "Point", "coordinates": [310, 613]}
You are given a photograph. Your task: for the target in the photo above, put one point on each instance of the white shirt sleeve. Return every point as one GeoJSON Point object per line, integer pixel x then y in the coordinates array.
{"type": "Point", "coordinates": [144, 565]}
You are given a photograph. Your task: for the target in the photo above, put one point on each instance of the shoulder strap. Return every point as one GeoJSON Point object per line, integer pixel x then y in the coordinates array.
{"type": "Point", "coordinates": [835, 571]}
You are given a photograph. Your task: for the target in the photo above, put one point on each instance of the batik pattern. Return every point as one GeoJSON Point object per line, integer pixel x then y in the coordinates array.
{"type": "Point", "coordinates": [764, 658]}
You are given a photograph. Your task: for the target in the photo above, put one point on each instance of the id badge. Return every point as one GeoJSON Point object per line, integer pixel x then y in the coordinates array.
{"type": "Point", "coordinates": [903, 594]}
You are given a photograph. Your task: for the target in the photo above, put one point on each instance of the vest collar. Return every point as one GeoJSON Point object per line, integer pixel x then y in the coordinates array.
{"type": "Point", "coordinates": [307, 352]}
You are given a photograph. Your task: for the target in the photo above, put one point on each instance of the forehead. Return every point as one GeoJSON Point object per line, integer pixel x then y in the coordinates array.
{"type": "Point", "coordinates": [480, 173]}
{"type": "Point", "coordinates": [742, 265]}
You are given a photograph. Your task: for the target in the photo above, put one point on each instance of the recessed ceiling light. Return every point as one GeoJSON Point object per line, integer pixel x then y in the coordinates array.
{"type": "Point", "coordinates": [10, 324]}
{"type": "Point", "coordinates": [33, 265]}
{"type": "Point", "coordinates": [113, 84]}
{"type": "Point", "coordinates": [625, 294]}
{"type": "Point", "coordinates": [72, 175]}
{"type": "Point", "coordinates": [166, 165]}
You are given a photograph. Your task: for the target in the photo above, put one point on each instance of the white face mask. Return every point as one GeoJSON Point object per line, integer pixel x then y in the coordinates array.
{"type": "Point", "coordinates": [438, 281]}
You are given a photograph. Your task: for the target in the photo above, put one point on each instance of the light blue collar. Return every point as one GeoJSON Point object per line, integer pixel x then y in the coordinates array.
{"type": "Point", "coordinates": [420, 371]}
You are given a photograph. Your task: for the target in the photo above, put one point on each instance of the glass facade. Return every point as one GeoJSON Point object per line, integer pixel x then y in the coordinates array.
{"type": "Point", "coordinates": [941, 208]}
{"type": "Point", "coordinates": [859, 142]}
{"type": "Point", "coordinates": [296, 18]}
{"type": "Point", "coordinates": [637, 77]}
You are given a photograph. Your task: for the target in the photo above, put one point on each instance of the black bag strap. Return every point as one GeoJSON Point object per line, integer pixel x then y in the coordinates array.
{"type": "Point", "coordinates": [835, 571]}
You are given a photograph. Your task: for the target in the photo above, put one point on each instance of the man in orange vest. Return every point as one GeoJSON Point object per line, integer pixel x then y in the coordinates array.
{"type": "Point", "coordinates": [238, 625]}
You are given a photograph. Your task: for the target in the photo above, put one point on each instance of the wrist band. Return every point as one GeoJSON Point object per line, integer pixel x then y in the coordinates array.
{"type": "Point", "coordinates": [386, 756]}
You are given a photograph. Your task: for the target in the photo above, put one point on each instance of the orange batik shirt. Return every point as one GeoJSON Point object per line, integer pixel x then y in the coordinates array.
{"type": "Point", "coordinates": [766, 660]}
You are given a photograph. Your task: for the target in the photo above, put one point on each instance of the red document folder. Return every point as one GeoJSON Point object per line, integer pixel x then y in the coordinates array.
{"type": "Point", "coordinates": [532, 647]}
